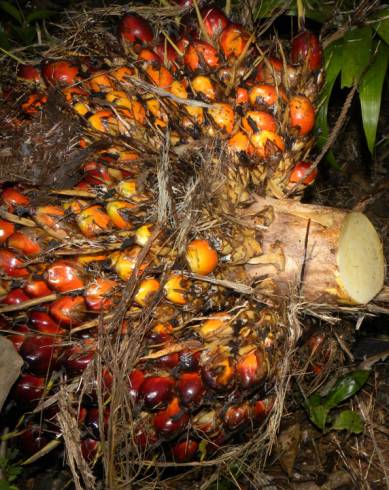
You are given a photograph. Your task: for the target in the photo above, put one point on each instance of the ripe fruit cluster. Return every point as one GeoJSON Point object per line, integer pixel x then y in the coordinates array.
{"type": "Point", "coordinates": [206, 359]}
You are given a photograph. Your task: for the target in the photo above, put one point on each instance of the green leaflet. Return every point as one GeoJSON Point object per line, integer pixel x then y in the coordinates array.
{"type": "Point", "coordinates": [382, 25]}
{"type": "Point", "coordinates": [345, 387]}
{"type": "Point", "coordinates": [333, 65]}
{"type": "Point", "coordinates": [370, 93]}
{"type": "Point", "coordinates": [266, 8]}
{"type": "Point", "coordinates": [356, 54]}
{"type": "Point", "coordinates": [350, 421]}
{"type": "Point", "coordinates": [39, 15]}
{"type": "Point", "coordinates": [12, 11]}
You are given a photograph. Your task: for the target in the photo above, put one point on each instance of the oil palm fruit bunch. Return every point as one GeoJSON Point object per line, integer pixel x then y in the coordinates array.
{"type": "Point", "coordinates": [70, 263]}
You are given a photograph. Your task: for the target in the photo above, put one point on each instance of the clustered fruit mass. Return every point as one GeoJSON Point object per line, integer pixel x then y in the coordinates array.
{"type": "Point", "coordinates": [208, 357]}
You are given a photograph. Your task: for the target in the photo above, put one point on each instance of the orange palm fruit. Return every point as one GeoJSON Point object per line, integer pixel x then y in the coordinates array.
{"type": "Point", "coordinates": [200, 54]}
{"type": "Point", "coordinates": [100, 82]}
{"type": "Point", "coordinates": [143, 234]}
{"type": "Point", "coordinates": [301, 114]}
{"type": "Point", "coordinates": [92, 221]}
{"type": "Point", "coordinates": [104, 121]}
{"type": "Point", "coordinates": [52, 217]}
{"type": "Point", "coordinates": [240, 142]}
{"type": "Point", "coordinates": [254, 121]}
{"type": "Point", "coordinates": [202, 258]}
{"type": "Point", "coordinates": [13, 198]}
{"type": "Point", "coordinates": [242, 96]}
{"type": "Point", "coordinates": [269, 70]}
{"type": "Point", "coordinates": [147, 54]}
{"type": "Point", "coordinates": [148, 288]}
{"type": "Point", "coordinates": [120, 213]}
{"type": "Point", "coordinates": [223, 116]}
{"type": "Point", "coordinates": [124, 261]}
{"type": "Point", "coordinates": [233, 40]}
{"type": "Point", "coordinates": [160, 76]}
{"type": "Point", "coordinates": [204, 86]}
{"type": "Point", "coordinates": [28, 241]}
{"type": "Point", "coordinates": [176, 289]}
{"type": "Point", "coordinates": [123, 74]}
{"type": "Point", "coordinates": [34, 103]}
{"type": "Point", "coordinates": [267, 143]}
{"type": "Point", "coordinates": [264, 94]}
{"type": "Point", "coordinates": [216, 327]}
{"type": "Point", "coordinates": [98, 294]}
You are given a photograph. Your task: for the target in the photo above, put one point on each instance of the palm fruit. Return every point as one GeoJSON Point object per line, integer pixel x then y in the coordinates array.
{"type": "Point", "coordinates": [204, 370]}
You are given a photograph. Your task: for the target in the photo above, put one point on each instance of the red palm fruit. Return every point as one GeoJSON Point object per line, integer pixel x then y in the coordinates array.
{"type": "Point", "coordinates": [218, 369]}
{"type": "Point", "coordinates": [147, 290]}
{"type": "Point", "coordinates": [98, 294]}
{"type": "Point", "coordinates": [176, 289]}
{"type": "Point", "coordinates": [135, 378]}
{"type": "Point", "coordinates": [96, 174]}
{"type": "Point", "coordinates": [161, 333]}
{"type": "Point", "coordinates": [170, 420]}
{"type": "Point", "coordinates": [29, 73]}
{"type": "Point", "coordinates": [190, 388]}
{"type": "Point", "coordinates": [124, 261]}
{"type": "Point", "coordinates": [204, 86]}
{"type": "Point", "coordinates": [242, 96]}
{"type": "Point", "coordinates": [135, 30]}
{"type": "Point", "coordinates": [269, 71]}
{"type": "Point", "coordinates": [33, 439]}
{"type": "Point", "coordinates": [261, 408]}
{"type": "Point", "coordinates": [43, 323]}
{"type": "Point", "coordinates": [89, 448]}
{"type": "Point", "coordinates": [182, 43]}
{"type": "Point", "coordinates": [251, 366]}
{"type": "Point", "coordinates": [144, 434]}
{"type": "Point", "coordinates": [166, 53]}
{"type": "Point", "coordinates": [185, 450]}
{"type": "Point", "coordinates": [254, 121]}
{"type": "Point", "coordinates": [15, 297]}
{"type": "Point", "coordinates": [268, 95]}
{"type": "Point", "coordinates": [93, 221]}
{"type": "Point", "coordinates": [13, 198]}
{"type": "Point", "coordinates": [40, 352]}
{"type": "Point", "coordinates": [34, 103]}
{"type": "Point", "coordinates": [28, 389]}
{"type": "Point", "coordinates": [159, 75]}
{"type": "Point", "coordinates": [156, 391]}
{"type": "Point", "coordinates": [214, 21]}
{"type": "Point", "coordinates": [240, 143]}
{"type": "Point", "coordinates": [300, 170]}
{"type": "Point", "coordinates": [76, 358]}
{"type": "Point", "coordinates": [306, 49]}
{"type": "Point", "coordinates": [200, 54]}
{"type": "Point", "coordinates": [11, 265]}
{"type": "Point", "coordinates": [315, 342]}
{"type": "Point", "coordinates": [100, 82]}
{"type": "Point", "coordinates": [121, 213]}
{"type": "Point", "coordinates": [202, 258]}
{"type": "Point", "coordinates": [68, 310]}
{"type": "Point", "coordinates": [236, 416]}
{"type": "Point", "coordinates": [36, 288]}
{"type": "Point", "coordinates": [233, 40]}
{"type": "Point", "coordinates": [64, 276]}
{"type": "Point", "coordinates": [147, 54]}
{"type": "Point", "coordinates": [189, 360]}
{"type": "Point", "coordinates": [266, 143]}
{"type": "Point", "coordinates": [92, 421]}
{"type": "Point", "coordinates": [62, 72]}
{"type": "Point", "coordinates": [6, 230]}
{"type": "Point", "coordinates": [301, 114]}
{"type": "Point", "coordinates": [223, 116]}
{"type": "Point", "coordinates": [169, 361]}
{"type": "Point", "coordinates": [17, 338]}
{"type": "Point", "coordinates": [27, 241]}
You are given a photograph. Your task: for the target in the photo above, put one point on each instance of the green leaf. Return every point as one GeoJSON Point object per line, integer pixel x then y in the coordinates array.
{"type": "Point", "coordinates": [382, 24]}
{"type": "Point", "coordinates": [345, 387]}
{"type": "Point", "coordinates": [4, 41]}
{"type": "Point", "coordinates": [350, 421]}
{"type": "Point", "coordinates": [370, 94]}
{"type": "Point", "coordinates": [356, 54]}
{"type": "Point", "coordinates": [39, 15]}
{"type": "Point", "coordinates": [266, 8]}
{"type": "Point", "coordinates": [4, 485]}
{"type": "Point", "coordinates": [25, 34]}
{"type": "Point", "coordinates": [318, 415]}
{"type": "Point", "coordinates": [12, 11]}
{"type": "Point", "coordinates": [321, 14]}
{"type": "Point", "coordinates": [333, 65]}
